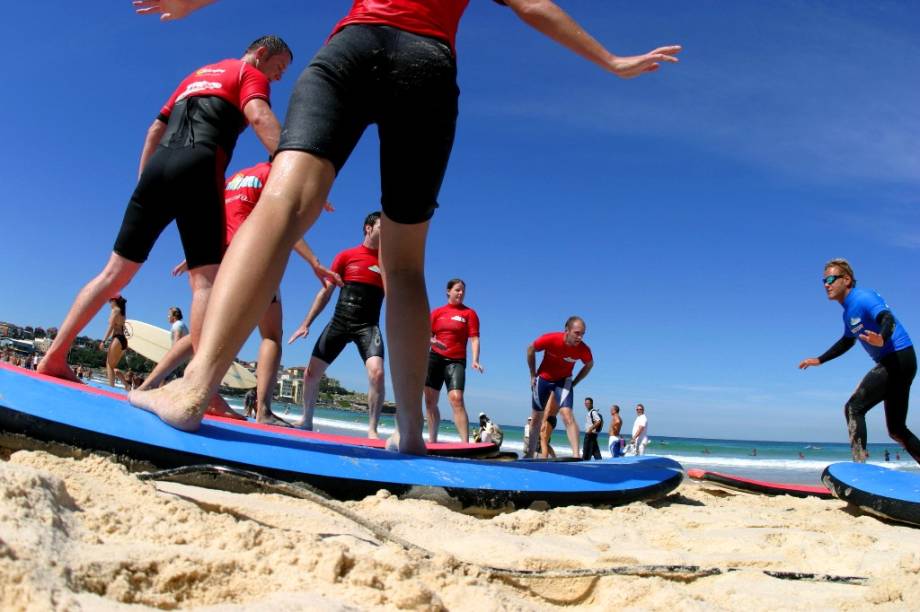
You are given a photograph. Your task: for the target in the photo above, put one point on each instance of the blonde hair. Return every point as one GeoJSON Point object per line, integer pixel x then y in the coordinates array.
{"type": "Point", "coordinates": [844, 266]}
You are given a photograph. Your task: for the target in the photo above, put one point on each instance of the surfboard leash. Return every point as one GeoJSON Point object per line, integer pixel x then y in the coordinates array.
{"type": "Point", "coordinates": [243, 481]}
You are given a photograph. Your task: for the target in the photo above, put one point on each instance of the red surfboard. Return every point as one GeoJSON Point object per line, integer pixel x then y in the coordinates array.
{"type": "Point", "coordinates": [447, 449]}
{"type": "Point", "coordinates": [760, 486]}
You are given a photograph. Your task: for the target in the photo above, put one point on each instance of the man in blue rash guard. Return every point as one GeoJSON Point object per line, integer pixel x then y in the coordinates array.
{"type": "Point", "coordinates": [869, 319]}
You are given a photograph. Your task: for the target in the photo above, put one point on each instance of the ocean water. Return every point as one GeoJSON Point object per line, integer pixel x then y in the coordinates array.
{"type": "Point", "coordinates": [790, 462]}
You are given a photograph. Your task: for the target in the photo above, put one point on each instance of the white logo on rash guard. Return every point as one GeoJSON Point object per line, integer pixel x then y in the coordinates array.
{"type": "Point", "coordinates": [198, 86]}
{"type": "Point", "coordinates": [458, 318]}
{"type": "Point", "coordinates": [374, 269]}
{"type": "Point", "coordinates": [569, 359]}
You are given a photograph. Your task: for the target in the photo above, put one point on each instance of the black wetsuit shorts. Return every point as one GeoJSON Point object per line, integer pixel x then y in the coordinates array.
{"type": "Point", "coordinates": [356, 319]}
{"type": "Point", "coordinates": [185, 184]}
{"type": "Point", "coordinates": [403, 82]}
{"type": "Point", "coordinates": [443, 370]}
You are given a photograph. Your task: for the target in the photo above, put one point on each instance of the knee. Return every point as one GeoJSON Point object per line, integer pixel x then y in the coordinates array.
{"type": "Point", "coordinates": [375, 377]}
{"type": "Point", "coordinates": [456, 397]}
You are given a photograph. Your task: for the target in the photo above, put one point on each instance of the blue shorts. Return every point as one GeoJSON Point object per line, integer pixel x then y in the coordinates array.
{"type": "Point", "coordinates": [616, 447]}
{"type": "Point", "coordinates": [562, 389]}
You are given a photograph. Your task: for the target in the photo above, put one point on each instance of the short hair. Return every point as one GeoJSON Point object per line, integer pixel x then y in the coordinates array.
{"type": "Point", "coordinates": [176, 312]}
{"type": "Point", "coordinates": [844, 266]}
{"type": "Point", "coordinates": [640, 406]}
{"type": "Point", "coordinates": [274, 44]}
{"type": "Point", "coordinates": [589, 399]}
{"type": "Point", "coordinates": [371, 219]}
{"type": "Point", "coordinates": [454, 281]}
{"type": "Point", "coordinates": [572, 319]}
{"type": "Point", "coordinates": [615, 408]}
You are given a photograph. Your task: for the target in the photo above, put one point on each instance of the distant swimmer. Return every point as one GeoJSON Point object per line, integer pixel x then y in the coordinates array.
{"type": "Point", "coordinates": [242, 193]}
{"type": "Point", "coordinates": [552, 385]}
{"type": "Point", "coordinates": [452, 325]}
{"type": "Point", "coordinates": [391, 63]}
{"type": "Point", "coordinates": [186, 147]}
{"type": "Point", "coordinates": [869, 319]}
{"type": "Point", "coordinates": [615, 443]}
{"type": "Point", "coordinates": [356, 319]}
{"type": "Point", "coordinates": [117, 342]}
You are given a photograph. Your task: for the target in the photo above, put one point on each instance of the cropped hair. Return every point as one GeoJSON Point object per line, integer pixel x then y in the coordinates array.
{"type": "Point", "coordinates": [844, 266]}
{"type": "Point", "coordinates": [274, 44]}
{"type": "Point", "coordinates": [572, 319]}
{"type": "Point", "coordinates": [371, 219]}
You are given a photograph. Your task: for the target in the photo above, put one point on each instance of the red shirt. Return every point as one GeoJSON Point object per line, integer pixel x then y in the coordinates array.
{"type": "Point", "coordinates": [231, 79]}
{"type": "Point", "coordinates": [436, 18]}
{"type": "Point", "coordinates": [241, 195]}
{"type": "Point", "coordinates": [558, 357]}
{"type": "Point", "coordinates": [453, 326]}
{"type": "Point", "coordinates": [358, 265]}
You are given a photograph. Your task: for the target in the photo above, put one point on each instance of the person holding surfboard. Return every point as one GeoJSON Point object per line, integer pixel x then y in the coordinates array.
{"type": "Point", "coordinates": [117, 341]}
{"type": "Point", "coordinates": [189, 143]}
{"type": "Point", "coordinates": [868, 318]}
{"type": "Point", "coordinates": [391, 63]}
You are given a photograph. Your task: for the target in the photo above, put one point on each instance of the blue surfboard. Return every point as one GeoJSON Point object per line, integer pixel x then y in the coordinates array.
{"type": "Point", "coordinates": [885, 492]}
{"type": "Point", "coordinates": [46, 409]}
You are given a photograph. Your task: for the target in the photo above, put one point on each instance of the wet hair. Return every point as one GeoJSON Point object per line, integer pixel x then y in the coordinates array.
{"type": "Point", "coordinates": [120, 302]}
{"type": "Point", "coordinates": [572, 319]}
{"type": "Point", "coordinates": [454, 281]}
{"type": "Point", "coordinates": [176, 312]}
{"type": "Point", "coordinates": [844, 266]}
{"type": "Point", "coordinates": [273, 43]}
{"type": "Point", "coordinates": [371, 219]}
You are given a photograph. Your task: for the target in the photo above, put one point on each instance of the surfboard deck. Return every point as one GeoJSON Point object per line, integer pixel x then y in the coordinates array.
{"type": "Point", "coordinates": [154, 342]}
{"type": "Point", "coordinates": [57, 412]}
{"type": "Point", "coordinates": [759, 486]}
{"type": "Point", "coordinates": [884, 492]}
{"type": "Point", "coordinates": [447, 449]}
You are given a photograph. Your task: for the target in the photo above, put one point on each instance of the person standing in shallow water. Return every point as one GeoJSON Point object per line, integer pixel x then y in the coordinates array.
{"type": "Point", "coordinates": [867, 318]}
{"type": "Point", "coordinates": [389, 62]}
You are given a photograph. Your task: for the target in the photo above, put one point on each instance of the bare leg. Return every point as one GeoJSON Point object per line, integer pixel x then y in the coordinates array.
{"type": "Point", "coordinates": [111, 363]}
{"type": "Point", "coordinates": [571, 430]}
{"type": "Point", "coordinates": [402, 258]}
{"type": "Point", "coordinates": [536, 426]}
{"type": "Point", "coordinates": [269, 360]}
{"type": "Point", "coordinates": [375, 393]}
{"type": "Point", "coordinates": [461, 419]}
{"type": "Point", "coordinates": [117, 273]}
{"type": "Point", "coordinates": [297, 187]}
{"type": "Point", "coordinates": [179, 353]}
{"type": "Point", "coordinates": [434, 414]}
{"type": "Point", "coordinates": [551, 409]}
{"type": "Point", "coordinates": [311, 378]}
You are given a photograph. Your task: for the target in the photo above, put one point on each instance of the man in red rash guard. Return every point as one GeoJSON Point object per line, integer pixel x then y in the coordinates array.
{"type": "Point", "coordinates": [552, 384]}
{"type": "Point", "coordinates": [392, 63]}
{"type": "Point", "coordinates": [451, 326]}
{"type": "Point", "coordinates": [181, 175]}
{"type": "Point", "coordinates": [241, 194]}
{"type": "Point", "coordinates": [356, 319]}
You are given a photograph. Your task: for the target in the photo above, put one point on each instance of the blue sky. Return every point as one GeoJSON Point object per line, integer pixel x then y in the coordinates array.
{"type": "Point", "coordinates": [685, 215]}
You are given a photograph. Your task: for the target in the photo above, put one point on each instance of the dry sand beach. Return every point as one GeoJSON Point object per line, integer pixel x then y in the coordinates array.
{"type": "Point", "coordinates": [85, 533]}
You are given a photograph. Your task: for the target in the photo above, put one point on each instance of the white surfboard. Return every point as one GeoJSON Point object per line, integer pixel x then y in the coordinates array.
{"type": "Point", "coordinates": [153, 343]}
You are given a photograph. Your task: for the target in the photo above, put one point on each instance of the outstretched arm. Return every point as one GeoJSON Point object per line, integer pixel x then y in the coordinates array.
{"type": "Point", "coordinates": [169, 10]}
{"type": "Point", "coordinates": [319, 302]}
{"type": "Point", "coordinates": [326, 276]}
{"type": "Point", "coordinates": [840, 347]}
{"type": "Point", "coordinates": [546, 17]}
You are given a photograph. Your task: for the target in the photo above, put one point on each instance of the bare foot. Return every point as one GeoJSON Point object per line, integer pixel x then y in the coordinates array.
{"type": "Point", "coordinates": [220, 407]}
{"type": "Point", "coordinates": [372, 434]}
{"type": "Point", "coordinates": [410, 445]}
{"type": "Point", "coordinates": [178, 404]}
{"type": "Point", "coordinates": [58, 370]}
{"type": "Point", "coordinates": [272, 419]}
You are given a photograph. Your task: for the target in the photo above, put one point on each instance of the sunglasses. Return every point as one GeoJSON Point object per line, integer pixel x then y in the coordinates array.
{"type": "Point", "coordinates": [831, 279]}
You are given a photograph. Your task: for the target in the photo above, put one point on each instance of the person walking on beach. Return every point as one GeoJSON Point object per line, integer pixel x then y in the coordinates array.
{"type": "Point", "coordinates": [452, 325]}
{"type": "Point", "coordinates": [356, 319]}
{"type": "Point", "coordinates": [117, 341]}
{"type": "Point", "coordinates": [241, 195]}
{"type": "Point", "coordinates": [867, 318]}
{"type": "Point", "coordinates": [177, 327]}
{"type": "Point", "coordinates": [640, 430]}
{"type": "Point", "coordinates": [187, 146]}
{"type": "Point", "coordinates": [593, 424]}
{"type": "Point", "coordinates": [389, 62]}
{"type": "Point", "coordinates": [616, 424]}
{"type": "Point", "coordinates": [552, 384]}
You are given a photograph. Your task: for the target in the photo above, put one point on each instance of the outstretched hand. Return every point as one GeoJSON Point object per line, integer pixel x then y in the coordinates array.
{"type": "Point", "coordinates": [634, 65]}
{"type": "Point", "coordinates": [478, 367]}
{"type": "Point", "coordinates": [327, 277]}
{"type": "Point", "coordinates": [169, 10]}
{"type": "Point", "coordinates": [301, 332]}
{"type": "Point", "coordinates": [806, 363]}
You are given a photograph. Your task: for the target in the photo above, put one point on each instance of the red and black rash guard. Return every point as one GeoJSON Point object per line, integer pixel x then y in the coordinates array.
{"type": "Point", "coordinates": [362, 296]}
{"type": "Point", "coordinates": [207, 107]}
{"type": "Point", "coordinates": [558, 357]}
{"type": "Point", "coordinates": [436, 18]}
{"type": "Point", "coordinates": [241, 194]}
{"type": "Point", "coordinates": [453, 326]}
